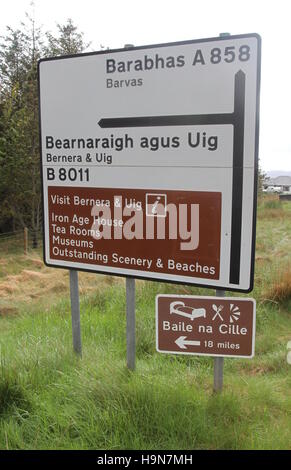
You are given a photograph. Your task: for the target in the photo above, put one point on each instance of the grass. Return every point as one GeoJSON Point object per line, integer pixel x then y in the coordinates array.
{"type": "Point", "coordinates": [53, 400]}
{"type": "Point", "coordinates": [279, 289]}
{"type": "Point", "coordinates": [50, 399]}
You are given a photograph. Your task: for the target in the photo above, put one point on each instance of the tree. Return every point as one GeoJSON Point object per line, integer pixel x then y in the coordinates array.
{"type": "Point", "coordinates": [13, 59]}
{"type": "Point", "coordinates": [20, 51]}
{"type": "Point", "coordinates": [68, 41]}
{"type": "Point", "coordinates": [262, 176]}
{"type": "Point", "coordinates": [19, 179]}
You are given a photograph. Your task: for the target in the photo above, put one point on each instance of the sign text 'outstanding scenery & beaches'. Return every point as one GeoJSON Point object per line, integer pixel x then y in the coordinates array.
{"type": "Point", "coordinates": [149, 161]}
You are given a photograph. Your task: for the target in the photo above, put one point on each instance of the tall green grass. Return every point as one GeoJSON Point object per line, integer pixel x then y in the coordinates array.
{"type": "Point", "coordinates": [50, 399]}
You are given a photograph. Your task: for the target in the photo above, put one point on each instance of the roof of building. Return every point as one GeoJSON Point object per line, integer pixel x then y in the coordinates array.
{"type": "Point", "coordinates": [279, 181]}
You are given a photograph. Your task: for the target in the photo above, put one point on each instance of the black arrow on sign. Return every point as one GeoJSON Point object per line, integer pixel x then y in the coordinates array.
{"type": "Point", "coordinates": [157, 121]}
{"type": "Point", "coordinates": [237, 120]}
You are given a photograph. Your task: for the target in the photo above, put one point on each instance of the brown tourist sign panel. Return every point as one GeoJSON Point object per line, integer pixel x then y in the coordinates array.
{"type": "Point", "coordinates": [140, 249]}
{"type": "Point", "coordinates": [210, 326]}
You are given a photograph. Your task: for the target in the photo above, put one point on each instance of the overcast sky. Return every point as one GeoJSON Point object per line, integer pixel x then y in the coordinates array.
{"type": "Point", "coordinates": [114, 23]}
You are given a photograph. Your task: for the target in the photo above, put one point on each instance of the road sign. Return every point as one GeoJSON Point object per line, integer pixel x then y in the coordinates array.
{"type": "Point", "coordinates": [149, 161]}
{"type": "Point", "coordinates": [207, 326]}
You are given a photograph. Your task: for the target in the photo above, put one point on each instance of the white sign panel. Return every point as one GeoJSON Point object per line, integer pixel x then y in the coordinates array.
{"type": "Point", "coordinates": [149, 161]}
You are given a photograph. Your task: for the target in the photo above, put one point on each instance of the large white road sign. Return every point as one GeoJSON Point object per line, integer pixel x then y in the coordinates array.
{"type": "Point", "coordinates": [149, 160]}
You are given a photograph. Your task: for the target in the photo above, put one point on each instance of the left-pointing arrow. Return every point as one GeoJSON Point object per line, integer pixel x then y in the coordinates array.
{"type": "Point", "coordinates": [182, 342]}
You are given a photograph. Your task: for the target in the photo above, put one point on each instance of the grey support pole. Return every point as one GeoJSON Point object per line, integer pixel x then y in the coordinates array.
{"type": "Point", "coordinates": [218, 374]}
{"type": "Point", "coordinates": [130, 322]}
{"type": "Point", "coordinates": [75, 312]}
{"type": "Point", "coordinates": [218, 361]}
{"type": "Point", "coordinates": [130, 309]}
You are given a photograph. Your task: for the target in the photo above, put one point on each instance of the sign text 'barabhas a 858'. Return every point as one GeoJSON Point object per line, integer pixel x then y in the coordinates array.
{"type": "Point", "coordinates": [149, 160]}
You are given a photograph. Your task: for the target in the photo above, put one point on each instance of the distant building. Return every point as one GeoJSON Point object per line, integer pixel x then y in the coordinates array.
{"type": "Point", "coordinates": [280, 184]}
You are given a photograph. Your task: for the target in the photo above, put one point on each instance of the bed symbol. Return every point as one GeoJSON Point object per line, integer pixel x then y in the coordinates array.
{"type": "Point", "coordinates": [179, 308]}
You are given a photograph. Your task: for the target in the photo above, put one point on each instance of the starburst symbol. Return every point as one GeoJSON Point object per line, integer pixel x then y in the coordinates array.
{"type": "Point", "coordinates": [234, 313]}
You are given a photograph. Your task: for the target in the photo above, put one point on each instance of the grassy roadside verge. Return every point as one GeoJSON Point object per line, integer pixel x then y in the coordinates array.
{"type": "Point", "coordinates": [51, 400]}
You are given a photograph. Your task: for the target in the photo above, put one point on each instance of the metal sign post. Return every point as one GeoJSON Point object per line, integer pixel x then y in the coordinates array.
{"type": "Point", "coordinates": [130, 322]}
{"type": "Point", "coordinates": [130, 308]}
{"type": "Point", "coordinates": [218, 361]}
{"type": "Point", "coordinates": [75, 312]}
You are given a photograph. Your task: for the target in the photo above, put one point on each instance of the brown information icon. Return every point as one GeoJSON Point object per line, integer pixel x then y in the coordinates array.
{"type": "Point", "coordinates": [209, 326]}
